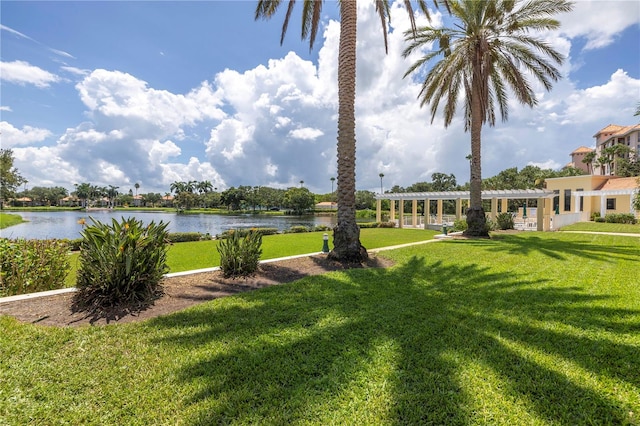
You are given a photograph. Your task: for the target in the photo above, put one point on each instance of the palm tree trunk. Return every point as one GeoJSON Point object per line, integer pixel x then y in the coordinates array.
{"type": "Point", "coordinates": [476, 221]}
{"type": "Point", "coordinates": [346, 234]}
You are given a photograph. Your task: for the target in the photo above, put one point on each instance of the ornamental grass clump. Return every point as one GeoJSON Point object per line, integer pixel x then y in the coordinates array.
{"type": "Point", "coordinates": [505, 221]}
{"type": "Point", "coordinates": [28, 266]}
{"type": "Point", "coordinates": [121, 264]}
{"type": "Point", "coordinates": [240, 254]}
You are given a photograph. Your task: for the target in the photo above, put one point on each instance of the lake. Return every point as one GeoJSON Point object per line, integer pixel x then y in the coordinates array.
{"type": "Point", "coordinates": [64, 224]}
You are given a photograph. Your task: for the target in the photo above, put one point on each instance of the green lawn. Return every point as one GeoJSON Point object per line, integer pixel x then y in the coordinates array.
{"type": "Point", "coordinates": [603, 227]}
{"type": "Point", "coordinates": [528, 328]}
{"type": "Point", "coordinates": [7, 219]}
{"type": "Point", "coordinates": [204, 254]}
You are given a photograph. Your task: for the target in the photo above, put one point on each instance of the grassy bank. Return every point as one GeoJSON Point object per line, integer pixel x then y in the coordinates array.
{"type": "Point", "coordinates": [527, 328]}
{"type": "Point", "coordinates": [7, 219]}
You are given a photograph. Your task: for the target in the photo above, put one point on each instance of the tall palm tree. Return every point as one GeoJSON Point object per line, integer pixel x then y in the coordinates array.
{"type": "Point", "coordinates": [488, 50]}
{"type": "Point", "coordinates": [588, 159]}
{"type": "Point", "coordinates": [346, 234]}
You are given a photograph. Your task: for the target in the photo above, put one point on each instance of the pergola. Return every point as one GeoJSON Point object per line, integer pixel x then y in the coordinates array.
{"type": "Point", "coordinates": [603, 194]}
{"type": "Point", "coordinates": [543, 211]}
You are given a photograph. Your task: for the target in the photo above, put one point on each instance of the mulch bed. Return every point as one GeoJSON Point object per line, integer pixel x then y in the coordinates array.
{"type": "Point", "coordinates": [179, 293]}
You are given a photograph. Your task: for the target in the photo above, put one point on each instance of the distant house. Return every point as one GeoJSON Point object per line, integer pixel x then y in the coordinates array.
{"type": "Point", "coordinates": [326, 205]}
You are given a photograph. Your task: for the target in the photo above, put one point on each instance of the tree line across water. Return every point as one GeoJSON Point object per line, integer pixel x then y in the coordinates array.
{"type": "Point", "coordinates": [202, 194]}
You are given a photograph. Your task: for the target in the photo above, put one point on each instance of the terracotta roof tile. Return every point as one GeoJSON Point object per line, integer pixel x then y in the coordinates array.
{"type": "Point", "coordinates": [582, 149]}
{"type": "Point", "coordinates": [610, 128]}
{"type": "Point", "coordinates": [621, 183]}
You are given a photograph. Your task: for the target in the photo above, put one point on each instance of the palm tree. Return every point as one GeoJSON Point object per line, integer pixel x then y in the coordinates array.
{"type": "Point", "coordinates": [346, 234]}
{"type": "Point", "coordinates": [588, 159]}
{"type": "Point", "coordinates": [486, 51]}
{"type": "Point", "coordinates": [381, 176]}
{"type": "Point", "coordinates": [204, 186]}
{"type": "Point", "coordinates": [137, 186]}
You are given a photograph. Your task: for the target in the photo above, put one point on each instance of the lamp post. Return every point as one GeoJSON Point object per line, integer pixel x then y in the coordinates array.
{"type": "Point", "coordinates": [381, 176]}
{"type": "Point", "coordinates": [332, 179]}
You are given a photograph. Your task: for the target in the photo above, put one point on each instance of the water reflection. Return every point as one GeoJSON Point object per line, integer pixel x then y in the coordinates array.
{"type": "Point", "coordinates": [65, 224]}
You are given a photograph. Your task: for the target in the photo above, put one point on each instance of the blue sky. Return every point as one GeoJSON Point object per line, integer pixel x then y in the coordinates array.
{"type": "Point", "coordinates": [154, 92]}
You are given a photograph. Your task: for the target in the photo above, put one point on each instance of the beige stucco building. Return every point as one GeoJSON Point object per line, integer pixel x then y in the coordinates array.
{"type": "Point", "coordinates": [615, 134]}
{"type": "Point", "coordinates": [587, 194]}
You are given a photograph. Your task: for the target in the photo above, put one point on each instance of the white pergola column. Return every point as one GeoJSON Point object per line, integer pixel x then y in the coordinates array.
{"type": "Point", "coordinates": [540, 215]}
{"type": "Point", "coordinates": [505, 205]}
{"type": "Point", "coordinates": [603, 206]}
{"type": "Point", "coordinates": [458, 208]}
{"type": "Point", "coordinates": [494, 208]}
{"type": "Point", "coordinates": [378, 210]}
{"type": "Point", "coordinates": [440, 212]}
{"type": "Point", "coordinates": [427, 212]}
{"type": "Point", "coordinates": [401, 214]}
{"type": "Point", "coordinates": [414, 213]}
{"type": "Point", "coordinates": [392, 211]}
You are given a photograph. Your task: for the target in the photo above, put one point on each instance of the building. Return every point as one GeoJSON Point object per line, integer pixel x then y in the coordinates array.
{"type": "Point", "coordinates": [577, 157]}
{"type": "Point", "coordinates": [583, 195]}
{"type": "Point", "coordinates": [610, 136]}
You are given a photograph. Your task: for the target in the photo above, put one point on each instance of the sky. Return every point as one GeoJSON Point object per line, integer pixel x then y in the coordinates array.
{"type": "Point", "coordinates": [118, 93]}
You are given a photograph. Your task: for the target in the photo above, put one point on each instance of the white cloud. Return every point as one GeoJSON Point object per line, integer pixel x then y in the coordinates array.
{"type": "Point", "coordinates": [276, 124]}
{"type": "Point", "coordinates": [12, 136]}
{"type": "Point", "coordinates": [15, 32]}
{"type": "Point", "coordinates": [76, 71]}
{"type": "Point", "coordinates": [605, 103]}
{"type": "Point", "coordinates": [600, 21]}
{"type": "Point", "coordinates": [21, 72]}
{"type": "Point", "coordinates": [5, 108]}
{"type": "Point", "coordinates": [119, 100]}
{"type": "Point", "coordinates": [549, 164]}
{"type": "Point", "coordinates": [306, 133]}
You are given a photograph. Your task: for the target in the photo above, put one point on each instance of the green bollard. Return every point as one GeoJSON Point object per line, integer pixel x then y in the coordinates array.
{"type": "Point", "coordinates": [325, 243]}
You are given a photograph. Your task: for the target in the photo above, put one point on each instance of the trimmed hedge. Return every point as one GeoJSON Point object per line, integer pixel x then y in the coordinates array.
{"type": "Point", "coordinates": [181, 237]}
{"type": "Point", "coordinates": [627, 218]}
{"type": "Point", "coordinates": [243, 232]}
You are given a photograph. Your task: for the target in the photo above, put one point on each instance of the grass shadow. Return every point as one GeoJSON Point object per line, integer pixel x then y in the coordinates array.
{"type": "Point", "coordinates": [403, 345]}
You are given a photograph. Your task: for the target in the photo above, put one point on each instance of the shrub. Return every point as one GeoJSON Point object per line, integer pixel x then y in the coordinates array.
{"type": "Point", "coordinates": [460, 225]}
{"type": "Point", "coordinates": [181, 237]}
{"type": "Point", "coordinates": [240, 255]}
{"type": "Point", "coordinates": [297, 229]}
{"type": "Point", "coordinates": [490, 225]}
{"type": "Point", "coordinates": [366, 214]}
{"type": "Point", "coordinates": [386, 225]}
{"type": "Point", "coordinates": [363, 225]}
{"type": "Point", "coordinates": [621, 218]}
{"type": "Point", "coordinates": [121, 264]}
{"type": "Point", "coordinates": [28, 266]}
{"type": "Point", "coordinates": [320, 228]}
{"type": "Point", "coordinates": [594, 216]}
{"type": "Point", "coordinates": [73, 245]}
{"type": "Point", "coordinates": [505, 221]}
{"type": "Point", "coordinates": [600, 219]}
{"type": "Point", "coordinates": [246, 231]}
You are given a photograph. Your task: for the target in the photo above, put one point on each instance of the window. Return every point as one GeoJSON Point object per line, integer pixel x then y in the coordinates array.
{"type": "Point", "coordinates": [581, 200]}
{"type": "Point", "coordinates": [556, 200]}
{"type": "Point", "coordinates": [611, 203]}
{"type": "Point", "coordinates": [567, 200]}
